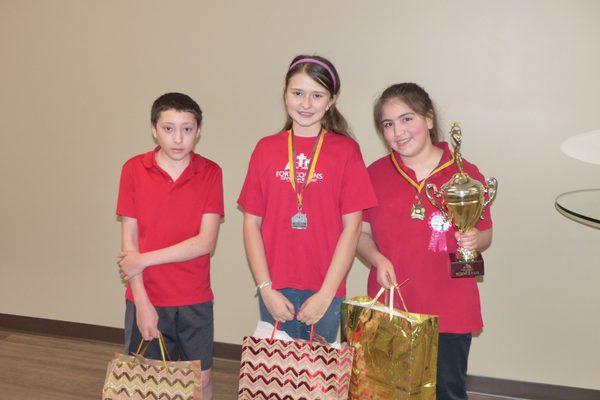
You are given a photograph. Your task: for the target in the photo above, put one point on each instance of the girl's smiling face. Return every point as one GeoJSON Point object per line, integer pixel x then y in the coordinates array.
{"type": "Point", "coordinates": [306, 101]}
{"type": "Point", "coordinates": [405, 131]}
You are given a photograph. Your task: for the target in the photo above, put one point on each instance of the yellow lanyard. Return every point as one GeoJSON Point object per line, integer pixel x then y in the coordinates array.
{"type": "Point", "coordinates": [313, 163]}
{"type": "Point", "coordinates": [419, 186]}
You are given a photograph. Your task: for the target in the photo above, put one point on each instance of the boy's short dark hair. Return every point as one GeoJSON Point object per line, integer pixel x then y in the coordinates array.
{"type": "Point", "coordinates": [175, 101]}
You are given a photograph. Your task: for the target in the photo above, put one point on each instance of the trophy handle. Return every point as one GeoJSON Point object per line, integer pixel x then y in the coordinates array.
{"type": "Point", "coordinates": [436, 193]}
{"type": "Point", "coordinates": [491, 188]}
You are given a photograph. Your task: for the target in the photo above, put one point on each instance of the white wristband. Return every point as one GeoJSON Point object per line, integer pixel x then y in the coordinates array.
{"type": "Point", "coordinates": [262, 286]}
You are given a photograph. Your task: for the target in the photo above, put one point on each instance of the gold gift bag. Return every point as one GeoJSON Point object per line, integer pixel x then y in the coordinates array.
{"type": "Point", "coordinates": [395, 355]}
{"type": "Point", "coordinates": [138, 378]}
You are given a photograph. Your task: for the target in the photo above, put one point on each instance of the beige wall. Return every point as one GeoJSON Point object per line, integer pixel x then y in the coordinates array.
{"type": "Point", "coordinates": [78, 77]}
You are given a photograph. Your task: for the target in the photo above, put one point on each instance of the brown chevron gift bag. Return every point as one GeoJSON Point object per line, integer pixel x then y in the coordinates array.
{"type": "Point", "coordinates": [278, 369]}
{"type": "Point", "coordinates": [138, 378]}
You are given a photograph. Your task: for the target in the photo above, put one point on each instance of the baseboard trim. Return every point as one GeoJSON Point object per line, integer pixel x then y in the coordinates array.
{"type": "Point", "coordinates": [228, 351]}
{"type": "Point", "coordinates": [475, 384]}
{"type": "Point", "coordinates": [51, 327]}
{"type": "Point", "coordinates": [54, 327]}
{"type": "Point", "coordinates": [527, 390]}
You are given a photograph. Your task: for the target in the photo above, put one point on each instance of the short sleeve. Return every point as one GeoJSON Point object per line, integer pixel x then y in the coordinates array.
{"type": "Point", "coordinates": [251, 197]}
{"type": "Point", "coordinates": [357, 191]}
{"type": "Point", "coordinates": [484, 223]}
{"type": "Point", "coordinates": [126, 197]}
{"type": "Point", "coordinates": [366, 217]}
{"type": "Point", "coordinates": [214, 203]}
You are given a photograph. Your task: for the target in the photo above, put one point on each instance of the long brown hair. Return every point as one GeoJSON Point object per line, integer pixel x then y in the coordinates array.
{"type": "Point", "coordinates": [324, 73]}
{"type": "Point", "coordinates": [415, 97]}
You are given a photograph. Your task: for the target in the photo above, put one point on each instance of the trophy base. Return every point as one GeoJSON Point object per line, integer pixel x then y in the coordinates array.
{"type": "Point", "coordinates": [465, 269]}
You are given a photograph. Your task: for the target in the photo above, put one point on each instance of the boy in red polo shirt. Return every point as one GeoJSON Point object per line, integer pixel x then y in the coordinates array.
{"type": "Point", "coordinates": [171, 204]}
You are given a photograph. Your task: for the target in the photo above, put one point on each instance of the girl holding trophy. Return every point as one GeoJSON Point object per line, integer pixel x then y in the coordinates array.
{"type": "Point", "coordinates": [406, 238]}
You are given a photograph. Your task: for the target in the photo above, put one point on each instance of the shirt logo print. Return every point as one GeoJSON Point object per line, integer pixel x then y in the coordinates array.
{"type": "Point", "coordinates": [302, 165]}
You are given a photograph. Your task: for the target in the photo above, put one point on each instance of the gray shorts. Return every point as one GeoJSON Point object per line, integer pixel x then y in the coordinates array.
{"type": "Point", "coordinates": [188, 332]}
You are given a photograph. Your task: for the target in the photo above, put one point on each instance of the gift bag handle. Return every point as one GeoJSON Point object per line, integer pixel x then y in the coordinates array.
{"type": "Point", "coordinates": [144, 344]}
{"type": "Point", "coordinates": [391, 297]}
{"type": "Point", "coordinates": [277, 327]}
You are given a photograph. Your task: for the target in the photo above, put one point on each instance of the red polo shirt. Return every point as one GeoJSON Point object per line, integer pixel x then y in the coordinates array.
{"type": "Point", "coordinates": [409, 245]}
{"type": "Point", "coordinates": [167, 213]}
{"type": "Point", "coordinates": [299, 259]}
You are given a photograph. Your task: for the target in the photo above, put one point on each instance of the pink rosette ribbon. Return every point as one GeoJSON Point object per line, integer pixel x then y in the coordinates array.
{"type": "Point", "coordinates": [439, 226]}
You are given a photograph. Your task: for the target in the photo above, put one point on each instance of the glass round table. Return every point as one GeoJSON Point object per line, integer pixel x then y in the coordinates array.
{"type": "Point", "coordinates": [582, 206]}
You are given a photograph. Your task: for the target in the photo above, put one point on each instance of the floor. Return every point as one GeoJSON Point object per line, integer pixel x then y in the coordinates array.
{"type": "Point", "coordinates": [35, 367]}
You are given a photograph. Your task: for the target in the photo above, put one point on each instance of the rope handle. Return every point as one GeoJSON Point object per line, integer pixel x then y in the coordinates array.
{"type": "Point", "coordinates": [144, 344]}
{"type": "Point", "coordinates": [277, 327]}
{"type": "Point", "coordinates": [391, 297]}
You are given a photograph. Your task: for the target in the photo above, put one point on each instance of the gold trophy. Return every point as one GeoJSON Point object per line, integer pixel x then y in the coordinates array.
{"type": "Point", "coordinates": [463, 203]}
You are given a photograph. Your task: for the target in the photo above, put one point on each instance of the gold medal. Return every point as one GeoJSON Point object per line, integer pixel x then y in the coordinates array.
{"type": "Point", "coordinates": [417, 211]}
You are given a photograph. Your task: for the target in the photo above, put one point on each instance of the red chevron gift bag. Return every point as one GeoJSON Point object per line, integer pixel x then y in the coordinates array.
{"type": "Point", "coordinates": [278, 369]}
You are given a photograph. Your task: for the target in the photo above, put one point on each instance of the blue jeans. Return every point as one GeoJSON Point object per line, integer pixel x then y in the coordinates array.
{"type": "Point", "coordinates": [327, 327]}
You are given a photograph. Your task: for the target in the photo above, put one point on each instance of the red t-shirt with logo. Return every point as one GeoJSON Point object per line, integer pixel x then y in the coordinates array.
{"type": "Point", "coordinates": [299, 259]}
{"type": "Point", "coordinates": [167, 213]}
{"type": "Point", "coordinates": [418, 251]}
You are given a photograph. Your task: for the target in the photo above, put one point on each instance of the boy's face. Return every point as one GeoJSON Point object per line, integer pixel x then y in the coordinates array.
{"type": "Point", "coordinates": [176, 133]}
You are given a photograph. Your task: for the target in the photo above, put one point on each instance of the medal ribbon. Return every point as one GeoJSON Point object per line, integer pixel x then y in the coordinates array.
{"type": "Point", "coordinates": [313, 163]}
{"type": "Point", "coordinates": [419, 186]}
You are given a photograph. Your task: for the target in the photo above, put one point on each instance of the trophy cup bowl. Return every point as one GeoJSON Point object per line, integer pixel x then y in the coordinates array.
{"type": "Point", "coordinates": [462, 202]}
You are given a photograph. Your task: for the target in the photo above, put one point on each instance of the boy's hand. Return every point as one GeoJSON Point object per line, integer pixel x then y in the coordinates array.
{"type": "Point", "coordinates": [470, 240]}
{"type": "Point", "coordinates": [280, 308]}
{"type": "Point", "coordinates": [386, 275]}
{"type": "Point", "coordinates": [131, 263]}
{"type": "Point", "coordinates": [147, 320]}
{"type": "Point", "coordinates": [314, 308]}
